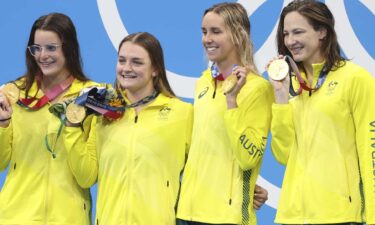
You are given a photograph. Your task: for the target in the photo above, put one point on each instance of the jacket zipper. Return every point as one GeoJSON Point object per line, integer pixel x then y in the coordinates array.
{"type": "Point", "coordinates": [305, 118]}
{"type": "Point", "coordinates": [215, 87]}
{"type": "Point", "coordinates": [193, 192]}
{"type": "Point", "coordinates": [130, 166]}
{"type": "Point", "coordinates": [198, 160]}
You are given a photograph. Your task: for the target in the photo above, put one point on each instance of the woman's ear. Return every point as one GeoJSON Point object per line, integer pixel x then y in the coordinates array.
{"type": "Point", "coordinates": [322, 33]}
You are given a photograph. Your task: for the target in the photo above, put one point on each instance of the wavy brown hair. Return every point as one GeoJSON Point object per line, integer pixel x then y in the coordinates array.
{"type": "Point", "coordinates": [64, 28]}
{"type": "Point", "coordinates": [319, 17]}
{"type": "Point", "coordinates": [155, 52]}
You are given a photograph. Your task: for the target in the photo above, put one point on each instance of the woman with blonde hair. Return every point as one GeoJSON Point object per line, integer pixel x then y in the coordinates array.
{"type": "Point", "coordinates": [232, 116]}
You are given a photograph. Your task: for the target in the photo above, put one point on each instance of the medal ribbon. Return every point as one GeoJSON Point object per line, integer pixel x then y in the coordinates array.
{"type": "Point", "coordinates": [303, 85]}
{"type": "Point", "coordinates": [143, 101]}
{"type": "Point", "coordinates": [95, 99]}
{"type": "Point", "coordinates": [215, 72]}
{"type": "Point", "coordinates": [48, 96]}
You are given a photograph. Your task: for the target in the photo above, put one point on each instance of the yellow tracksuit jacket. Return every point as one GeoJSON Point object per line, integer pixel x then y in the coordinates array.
{"type": "Point", "coordinates": [226, 152]}
{"type": "Point", "coordinates": [327, 142]}
{"type": "Point", "coordinates": [40, 189]}
{"type": "Point", "coordinates": [137, 161]}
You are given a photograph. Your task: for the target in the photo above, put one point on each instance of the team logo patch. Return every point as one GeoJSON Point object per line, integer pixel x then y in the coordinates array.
{"type": "Point", "coordinates": [164, 113]}
{"type": "Point", "coordinates": [203, 93]}
{"type": "Point", "coordinates": [331, 87]}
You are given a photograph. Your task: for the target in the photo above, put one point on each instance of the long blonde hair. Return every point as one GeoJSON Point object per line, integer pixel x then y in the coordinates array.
{"type": "Point", "coordinates": [237, 22]}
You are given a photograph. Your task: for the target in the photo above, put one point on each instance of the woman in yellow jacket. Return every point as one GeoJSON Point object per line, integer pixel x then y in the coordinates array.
{"type": "Point", "coordinates": [137, 159]}
{"type": "Point", "coordinates": [230, 126]}
{"type": "Point", "coordinates": [40, 188]}
{"type": "Point", "coordinates": [324, 136]}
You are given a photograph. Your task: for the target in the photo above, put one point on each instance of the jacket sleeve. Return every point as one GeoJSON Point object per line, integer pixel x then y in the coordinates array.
{"type": "Point", "coordinates": [6, 135]}
{"type": "Point", "coordinates": [283, 132]}
{"type": "Point", "coordinates": [82, 155]}
{"type": "Point", "coordinates": [189, 128]}
{"type": "Point", "coordinates": [248, 126]}
{"type": "Point", "coordinates": [361, 101]}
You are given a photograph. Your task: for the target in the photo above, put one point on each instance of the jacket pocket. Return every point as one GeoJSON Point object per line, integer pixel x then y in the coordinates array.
{"type": "Point", "coordinates": [170, 207]}
{"type": "Point", "coordinates": [348, 191]}
{"type": "Point", "coordinates": [231, 183]}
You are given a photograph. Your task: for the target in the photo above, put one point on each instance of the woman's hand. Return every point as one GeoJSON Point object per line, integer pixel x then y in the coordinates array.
{"type": "Point", "coordinates": [281, 87]}
{"type": "Point", "coordinates": [5, 110]}
{"type": "Point", "coordinates": [260, 197]}
{"type": "Point", "coordinates": [240, 72]}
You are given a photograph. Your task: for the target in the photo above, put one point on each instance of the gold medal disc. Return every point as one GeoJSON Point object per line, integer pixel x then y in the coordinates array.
{"type": "Point", "coordinates": [229, 83]}
{"type": "Point", "coordinates": [278, 69]}
{"type": "Point", "coordinates": [75, 113]}
{"type": "Point", "coordinates": [12, 92]}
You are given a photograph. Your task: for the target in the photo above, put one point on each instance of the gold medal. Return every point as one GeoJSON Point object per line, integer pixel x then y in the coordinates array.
{"type": "Point", "coordinates": [278, 69]}
{"type": "Point", "coordinates": [229, 83]}
{"type": "Point", "coordinates": [12, 92]}
{"type": "Point", "coordinates": [75, 113]}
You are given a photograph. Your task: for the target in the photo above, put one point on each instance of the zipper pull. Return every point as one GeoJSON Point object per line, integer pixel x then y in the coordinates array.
{"type": "Point", "coordinates": [214, 94]}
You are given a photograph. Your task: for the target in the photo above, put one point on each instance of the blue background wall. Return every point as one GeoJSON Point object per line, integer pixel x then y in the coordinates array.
{"type": "Point", "coordinates": [101, 24]}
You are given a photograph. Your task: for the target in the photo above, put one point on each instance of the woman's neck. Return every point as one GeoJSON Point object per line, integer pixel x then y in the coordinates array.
{"type": "Point", "coordinates": [50, 82]}
{"type": "Point", "coordinates": [308, 65]}
{"type": "Point", "coordinates": [135, 96]}
{"type": "Point", "coordinates": [225, 68]}
{"type": "Point", "coordinates": [309, 69]}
